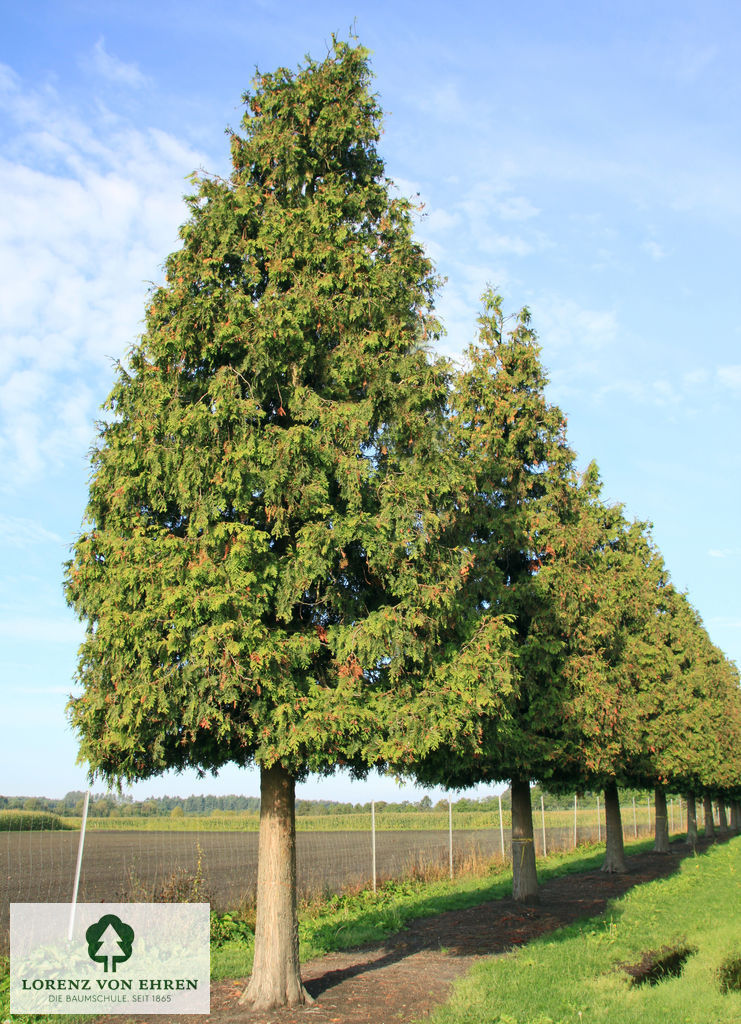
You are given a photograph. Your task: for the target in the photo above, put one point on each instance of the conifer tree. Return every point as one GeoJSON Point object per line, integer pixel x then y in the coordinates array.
{"type": "Point", "coordinates": [270, 571]}
{"type": "Point", "coordinates": [514, 443]}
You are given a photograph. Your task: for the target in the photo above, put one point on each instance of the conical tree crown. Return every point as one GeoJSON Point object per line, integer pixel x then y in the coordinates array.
{"type": "Point", "coordinates": [263, 561]}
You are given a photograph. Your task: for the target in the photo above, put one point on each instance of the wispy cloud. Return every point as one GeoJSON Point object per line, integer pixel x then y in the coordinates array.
{"type": "Point", "coordinates": [96, 205]}
{"type": "Point", "coordinates": [725, 552]}
{"type": "Point", "coordinates": [112, 68]}
{"type": "Point", "coordinates": [654, 250]}
{"type": "Point", "coordinates": [730, 376]}
{"type": "Point", "coordinates": [567, 325]}
{"type": "Point", "coordinates": [516, 208]}
{"type": "Point", "coordinates": [25, 533]}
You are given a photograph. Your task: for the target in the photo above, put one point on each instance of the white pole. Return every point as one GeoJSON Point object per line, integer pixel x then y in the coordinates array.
{"type": "Point", "coordinates": [542, 815]}
{"type": "Point", "coordinates": [501, 826]}
{"type": "Point", "coordinates": [373, 840]}
{"type": "Point", "coordinates": [599, 823]}
{"type": "Point", "coordinates": [79, 867]}
{"type": "Point", "coordinates": [671, 816]}
{"type": "Point", "coordinates": [635, 819]}
{"type": "Point", "coordinates": [450, 835]}
{"type": "Point", "coordinates": [575, 825]}
{"type": "Point", "coordinates": [648, 804]}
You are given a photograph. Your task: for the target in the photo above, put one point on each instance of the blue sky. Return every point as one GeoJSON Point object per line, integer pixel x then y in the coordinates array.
{"type": "Point", "coordinates": [585, 158]}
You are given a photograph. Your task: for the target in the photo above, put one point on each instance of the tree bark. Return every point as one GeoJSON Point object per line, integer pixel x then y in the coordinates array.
{"type": "Point", "coordinates": [707, 805]}
{"type": "Point", "coordinates": [661, 840]}
{"type": "Point", "coordinates": [691, 820]}
{"type": "Point", "coordinates": [735, 817]}
{"type": "Point", "coordinates": [722, 819]}
{"type": "Point", "coordinates": [614, 848]}
{"type": "Point", "coordinates": [524, 874]}
{"type": "Point", "coordinates": [276, 977]}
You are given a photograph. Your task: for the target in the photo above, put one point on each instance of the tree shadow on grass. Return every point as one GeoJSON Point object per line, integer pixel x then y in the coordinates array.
{"type": "Point", "coordinates": [499, 925]}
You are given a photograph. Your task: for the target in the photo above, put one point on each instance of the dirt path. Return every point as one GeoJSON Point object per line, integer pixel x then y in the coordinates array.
{"type": "Point", "coordinates": [404, 978]}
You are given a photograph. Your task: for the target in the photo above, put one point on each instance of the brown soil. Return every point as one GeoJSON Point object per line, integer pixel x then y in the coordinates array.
{"type": "Point", "coordinates": [404, 978]}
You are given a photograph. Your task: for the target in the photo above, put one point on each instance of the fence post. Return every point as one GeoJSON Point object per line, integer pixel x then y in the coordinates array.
{"type": "Point", "coordinates": [599, 823]}
{"type": "Point", "coordinates": [501, 827]}
{"type": "Point", "coordinates": [79, 866]}
{"type": "Point", "coordinates": [373, 840]}
{"type": "Point", "coordinates": [671, 815]}
{"type": "Point", "coordinates": [635, 819]}
{"type": "Point", "coordinates": [542, 815]}
{"type": "Point", "coordinates": [575, 823]}
{"type": "Point", "coordinates": [450, 835]}
{"type": "Point", "coordinates": [648, 804]}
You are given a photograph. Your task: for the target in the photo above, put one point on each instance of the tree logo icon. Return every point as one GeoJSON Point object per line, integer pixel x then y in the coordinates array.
{"type": "Point", "coordinates": [109, 941]}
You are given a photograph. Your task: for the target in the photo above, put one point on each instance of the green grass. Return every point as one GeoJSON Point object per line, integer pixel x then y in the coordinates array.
{"type": "Point", "coordinates": [354, 919]}
{"type": "Point", "coordinates": [575, 975]}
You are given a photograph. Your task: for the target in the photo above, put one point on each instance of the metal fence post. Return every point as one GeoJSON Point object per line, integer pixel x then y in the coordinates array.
{"type": "Point", "coordinates": [542, 815]}
{"type": "Point", "coordinates": [575, 823]}
{"type": "Point", "coordinates": [79, 866]}
{"type": "Point", "coordinates": [501, 826]}
{"type": "Point", "coordinates": [599, 823]}
{"type": "Point", "coordinates": [635, 819]}
{"type": "Point", "coordinates": [373, 840]}
{"type": "Point", "coordinates": [450, 835]}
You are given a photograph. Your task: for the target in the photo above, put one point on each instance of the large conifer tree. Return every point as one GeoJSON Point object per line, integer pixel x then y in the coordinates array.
{"type": "Point", "coordinates": [513, 442]}
{"type": "Point", "coordinates": [269, 572]}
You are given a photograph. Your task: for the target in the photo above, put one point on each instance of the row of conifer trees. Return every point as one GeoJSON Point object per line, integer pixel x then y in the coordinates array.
{"type": "Point", "coordinates": [311, 543]}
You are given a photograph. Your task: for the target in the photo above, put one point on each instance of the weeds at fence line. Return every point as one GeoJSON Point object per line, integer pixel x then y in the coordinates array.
{"type": "Point", "coordinates": [181, 886]}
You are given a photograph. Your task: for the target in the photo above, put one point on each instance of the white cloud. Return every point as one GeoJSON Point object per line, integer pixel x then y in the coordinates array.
{"type": "Point", "coordinates": [564, 324]}
{"type": "Point", "coordinates": [440, 220]}
{"type": "Point", "coordinates": [730, 376]}
{"type": "Point", "coordinates": [114, 69]}
{"type": "Point", "coordinates": [516, 208]}
{"type": "Point", "coordinates": [96, 207]}
{"type": "Point", "coordinates": [654, 250]}
{"type": "Point", "coordinates": [695, 379]}
{"type": "Point", "coordinates": [25, 533]}
{"type": "Point", "coordinates": [724, 552]}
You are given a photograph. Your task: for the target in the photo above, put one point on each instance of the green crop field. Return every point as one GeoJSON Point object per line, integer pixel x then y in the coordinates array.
{"type": "Point", "coordinates": [394, 821]}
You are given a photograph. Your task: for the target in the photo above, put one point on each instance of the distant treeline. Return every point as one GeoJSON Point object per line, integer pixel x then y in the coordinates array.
{"type": "Point", "coordinates": [106, 805]}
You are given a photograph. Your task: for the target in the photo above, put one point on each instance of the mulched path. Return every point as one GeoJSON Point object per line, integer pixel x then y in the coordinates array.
{"type": "Point", "coordinates": [405, 977]}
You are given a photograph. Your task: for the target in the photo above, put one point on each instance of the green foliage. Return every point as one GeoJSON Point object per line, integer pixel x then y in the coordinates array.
{"type": "Point", "coordinates": [229, 927]}
{"type": "Point", "coordinates": [269, 571]}
{"type": "Point", "coordinates": [30, 821]}
{"type": "Point", "coordinates": [513, 443]}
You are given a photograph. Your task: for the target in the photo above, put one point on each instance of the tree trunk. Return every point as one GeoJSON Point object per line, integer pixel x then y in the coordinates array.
{"type": "Point", "coordinates": [691, 820]}
{"type": "Point", "coordinates": [735, 817]}
{"type": "Point", "coordinates": [614, 849]}
{"type": "Point", "coordinates": [722, 819]}
{"type": "Point", "coordinates": [524, 875]}
{"type": "Point", "coordinates": [661, 840]}
{"type": "Point", "coordinates": [707, 805]}
{"type": "Point", "coordinates": [276, 977]}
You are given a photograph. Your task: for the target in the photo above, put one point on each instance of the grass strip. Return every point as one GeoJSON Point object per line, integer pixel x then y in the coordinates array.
{"type": "Point", "coordinates": [356, 919]}
{"type": "Point", "coordinates": [353, 919]}
{"type": "Point", "coordinates": [584, 973]}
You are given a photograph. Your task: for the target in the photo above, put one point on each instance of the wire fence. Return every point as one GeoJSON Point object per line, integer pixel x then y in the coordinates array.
{"type": "Point", "coordinates": [197, 860]}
